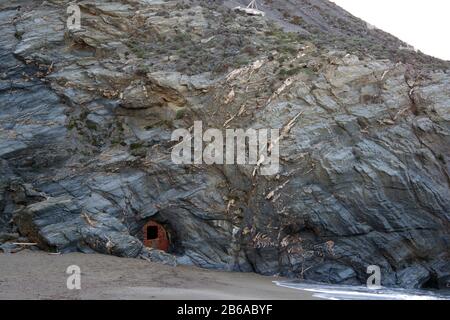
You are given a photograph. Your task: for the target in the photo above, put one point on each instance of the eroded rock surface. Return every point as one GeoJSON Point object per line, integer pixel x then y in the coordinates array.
{"type": "Point", "coordinates": [87, 117]}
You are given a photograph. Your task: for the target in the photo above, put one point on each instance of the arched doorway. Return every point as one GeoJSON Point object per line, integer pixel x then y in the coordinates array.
{"type": "Point", "coordinates": [155, 236]}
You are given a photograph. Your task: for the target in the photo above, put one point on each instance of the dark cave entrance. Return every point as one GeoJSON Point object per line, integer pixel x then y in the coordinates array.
{"type": "Point", "coordinates": [155, 236]}
{"type": "Point", "coordinates": [152, 232]}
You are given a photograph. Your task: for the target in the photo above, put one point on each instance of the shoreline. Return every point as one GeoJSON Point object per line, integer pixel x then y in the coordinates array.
{"type": "Point", "coordinates": [40, 275]}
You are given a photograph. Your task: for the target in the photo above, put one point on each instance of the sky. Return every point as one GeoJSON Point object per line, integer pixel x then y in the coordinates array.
{"type": "Point", "coordinates": [424, 24]}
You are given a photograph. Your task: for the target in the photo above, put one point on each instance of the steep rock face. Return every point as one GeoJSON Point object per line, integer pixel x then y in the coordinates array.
{"type": "Point", "coordinates": [85, 144]}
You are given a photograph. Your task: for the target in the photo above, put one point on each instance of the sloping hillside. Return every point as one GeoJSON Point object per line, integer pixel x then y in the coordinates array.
{"type": "Point", "coordinates": [330, 26]}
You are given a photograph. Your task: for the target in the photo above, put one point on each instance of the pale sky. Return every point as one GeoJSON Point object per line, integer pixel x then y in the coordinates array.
{"type": "Point", "coordinates": [424, 24]}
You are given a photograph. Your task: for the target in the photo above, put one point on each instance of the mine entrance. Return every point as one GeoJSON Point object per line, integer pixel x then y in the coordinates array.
{"type": "Point", "coordinates": [152, 232]}
{"type": "Point", "coordinates": [155, 236]}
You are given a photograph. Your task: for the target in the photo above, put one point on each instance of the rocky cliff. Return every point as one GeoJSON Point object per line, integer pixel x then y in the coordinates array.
{"type": "Point", "coordinates": [85, 139]}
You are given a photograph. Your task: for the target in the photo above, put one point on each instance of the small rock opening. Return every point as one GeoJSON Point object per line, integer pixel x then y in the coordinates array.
{"type": "Point", "coordinates": [431, 283]}
{"type": "Point", "coordinates": [152, 232]}
{"type": "Point", "coordinates": [155, 236]}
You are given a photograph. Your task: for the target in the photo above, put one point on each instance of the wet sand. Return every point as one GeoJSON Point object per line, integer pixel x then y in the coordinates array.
{"type": "Point", "coordinates": [39, 275]}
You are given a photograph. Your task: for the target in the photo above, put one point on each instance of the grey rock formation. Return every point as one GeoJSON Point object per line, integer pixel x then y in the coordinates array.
{"type": "Point", "coordinates": [158, 256]}
{"type": "Point", "coordinates": [87, 117]}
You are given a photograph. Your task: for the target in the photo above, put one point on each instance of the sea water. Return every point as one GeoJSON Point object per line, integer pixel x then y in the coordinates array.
{"type": "Point", "coordinates": [343, 292]}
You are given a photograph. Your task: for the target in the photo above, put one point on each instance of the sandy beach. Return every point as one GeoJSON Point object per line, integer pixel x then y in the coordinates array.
{"type": "Point", "coordinates": [39, 275]}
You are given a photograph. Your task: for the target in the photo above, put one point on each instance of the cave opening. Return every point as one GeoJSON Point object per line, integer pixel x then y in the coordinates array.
{"type": "Point", "coordinates": [155, 236]}
{"type": "Point", "coordinates": [431, 283]}
{"type": "Point", "coordinates": [152, 232]}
